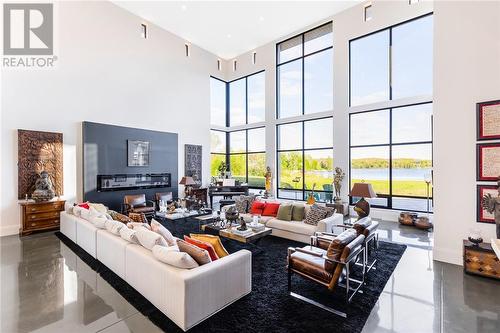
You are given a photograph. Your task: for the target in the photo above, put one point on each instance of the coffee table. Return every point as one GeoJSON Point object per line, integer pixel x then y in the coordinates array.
{"type": "Point", "coordinates": [176, 217]}
{"type": "Point", "coordinates": [254, 237]}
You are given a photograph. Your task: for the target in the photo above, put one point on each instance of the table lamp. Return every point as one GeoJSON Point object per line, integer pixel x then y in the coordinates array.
{"type": "Point", "coordinates": [362, 190]}
{"type": "Point", "coordinates": [187, 182]}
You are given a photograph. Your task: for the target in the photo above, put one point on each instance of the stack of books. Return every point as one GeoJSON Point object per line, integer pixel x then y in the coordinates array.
{"type": "Point", "coordinates": [245, 233]}
{"type": "Point", "coordinates": [256, 227]}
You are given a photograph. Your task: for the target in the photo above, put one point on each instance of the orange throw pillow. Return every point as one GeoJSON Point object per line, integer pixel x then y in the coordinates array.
{"type": "Point", "coordinates": [203, 245]}
{"type": "Point", "coordinates": [271, 209]}
{"type": "Point", "coordinates": [214, 241]}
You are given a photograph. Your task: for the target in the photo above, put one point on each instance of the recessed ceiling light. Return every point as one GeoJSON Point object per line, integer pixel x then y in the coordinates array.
{"type": "Point", "coordinates": [183, 7]}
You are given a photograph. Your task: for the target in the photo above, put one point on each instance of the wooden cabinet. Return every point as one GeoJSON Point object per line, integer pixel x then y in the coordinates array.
{"type": "Point", "coordinates": [481, 260]}
{"type": "Point", "coordinates": [38, 216]}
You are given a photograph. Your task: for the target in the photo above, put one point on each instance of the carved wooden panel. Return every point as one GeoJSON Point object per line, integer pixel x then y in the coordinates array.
{"type": "Point", "coordinates": [39, 151]}
{"type": "Point", "coordinates": [193, 162]}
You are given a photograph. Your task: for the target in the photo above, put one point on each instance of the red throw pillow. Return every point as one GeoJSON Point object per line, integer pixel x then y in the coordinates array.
{"type": "Point", "coordinates": [257, 208]}
{"type": "Point", "coordinates": [84, 205]}
{"type": "Point", "coordinates": [202, 245]}
{"type": "Point", "coordinates": [271, 209]}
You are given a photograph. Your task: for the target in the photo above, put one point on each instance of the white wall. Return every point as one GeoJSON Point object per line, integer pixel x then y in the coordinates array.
{"type": "Point", "coordinates": [466, 71]}
{"type": "Point", "coordinates": [105, 73]}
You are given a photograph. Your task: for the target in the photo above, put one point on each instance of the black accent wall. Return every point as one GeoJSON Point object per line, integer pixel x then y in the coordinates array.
{"type": "Point", "coordinates": [105, 153]}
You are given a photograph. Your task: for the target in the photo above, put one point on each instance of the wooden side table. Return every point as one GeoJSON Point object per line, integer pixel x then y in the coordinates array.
{"type": "Point", "coordinates": [40, 216]}
{"type": "Point", "coordinates": [481, 260]}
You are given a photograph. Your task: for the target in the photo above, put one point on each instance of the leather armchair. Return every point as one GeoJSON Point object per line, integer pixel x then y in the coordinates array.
{"type": "Point", "coordinates": [137, 203]}
{"type": "Point", "coordinates": [330, 268]}
{"type": "Point", "coordinates": [167, 197]}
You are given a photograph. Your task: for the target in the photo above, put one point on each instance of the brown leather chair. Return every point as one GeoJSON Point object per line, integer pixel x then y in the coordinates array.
{"type": "Point", "coordinates": [137, 203]}
{"type": "Point", "coordinates": [364, 226]}
{"type": "Point", "coordinates": [167, 197]}
{"type": "Point", "coordinates": [328, 267]}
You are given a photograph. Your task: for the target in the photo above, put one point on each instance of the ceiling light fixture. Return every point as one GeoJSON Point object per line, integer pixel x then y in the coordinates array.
{"type": "Point", "coordinates": [183, 7]}
{"type": "Point", "coordinates": [261, 18]}
{"type": "Point", "coordinates": [228, 35]}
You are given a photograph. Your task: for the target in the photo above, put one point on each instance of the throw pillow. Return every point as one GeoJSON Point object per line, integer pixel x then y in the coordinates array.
{"type": "Point", "coordinates": [298, 212]}
{"type": "Point", "coordinates": [129, 235]}
{"type": "Point", "coordinates": [98, 222]}
{"type": "Point", "coordinates": [88, 214]}
{"type": "Point", "coordinates": [315, 215]}
{"type": "Point", "coordinates": [148, 238]}
{"type": "Point", "coordinates": [160, 229]}
{"type": "Point", "coordinates": [271, 209]}
{"type": "Point", "coordinates": [214, 241]}
{"type": "Point", "coordinates": [174, 258]}
{"type": "Point", "coordinates": [84, 205]}
{"type": "Point", "coordinates": [119, 217]}
{"type": "Point", "coordinates": [114, 226]}
{"type": "Point", "coordinates": [250, 199]}
{"type": "Point", "coordinates": [337, 246]}
{"type": "Point", "coordinates": [241, 204]}
{"type": "Point", "coordinates": [199, 255]}
{"type": "Point", "coordinates": [257, 207]}
{"type": "Point", "coordinates": [329, 210]}
{"type": "Point", "coordinates": [99, 207]}
{"type": "Point", "coordinates": [285, 212]}
{"type": "Point", "coordinates": [133, 225]}
{"type": "Point", "coordinates": [138, 217]}
{"type": "Point", "coordinates": [203, 245]}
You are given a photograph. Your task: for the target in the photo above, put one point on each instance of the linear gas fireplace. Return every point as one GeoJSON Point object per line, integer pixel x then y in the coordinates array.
{"type": "Point", "coordinates": [120, 182]}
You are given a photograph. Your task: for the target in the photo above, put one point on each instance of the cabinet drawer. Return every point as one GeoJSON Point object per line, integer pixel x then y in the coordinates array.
{"type": "Point", "coordinates": [42, 223]}
{"type": "Point", "coordinates": [42, 215]}
{"type": "Point", "coordinates": [45, 207]}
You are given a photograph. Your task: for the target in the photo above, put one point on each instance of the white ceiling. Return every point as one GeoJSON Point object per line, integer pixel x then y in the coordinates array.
{"type": "Point", "coordinates": [230, 28]}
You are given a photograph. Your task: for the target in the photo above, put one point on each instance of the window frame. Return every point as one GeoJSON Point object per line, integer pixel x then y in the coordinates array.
{"type": "Point", "coordinates": [302, 58]}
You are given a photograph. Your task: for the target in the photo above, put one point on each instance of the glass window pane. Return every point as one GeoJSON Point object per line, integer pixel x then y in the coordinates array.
{"type": "Point", "coordinates": [318, 39]}
{"type": "Point", "coordinates": [318, 133]}
{"type": "Point", "coordinates": [256, 98]}
{"type": "Point", "coordinates": [237, 103]}
{"type": "Point", "coordinates": [290, 170]}
{"type": "Point", "coordinates": [217, 142]}
{"type": "Point", "coordinates": [290, 89]}
{"type": "Point", "coordinates": [412, 58]}
{"type": "Point", "coordinates": [237, 142]}
{"type": "Point", "coordinates": [371, 165]}
{"type": "Point", "coordinates": [370, 69]}
{"type": "Point", "coordinates": [411, 204]}
{"type": "Point", "coordinates": [290, 49]}
{"type": "Point", "coordinates": [238, 167]}
{"type": "Point", "coordinates": [217, 102]}
{"type": "Point", "coordinates": [412, 123]}
{"type": "Point", "coordinates": [410, 165]}
{"type": "Point", "coordinates": [290, 194]}
{"type": "Point", "coordinates": [290, 136]}
{"type": "Point", "coordinates": [256, 169]}
{"type": "Point", "coordinates": [318, 82]}
{"type": "Point", "coordinates": [370, 128]}
{"type": "Point", "coordinates": [257, 139]}
{"type": "Point", "coordinates": [318, 168]}
{"type": "Point", "coordinates": [215, 161]}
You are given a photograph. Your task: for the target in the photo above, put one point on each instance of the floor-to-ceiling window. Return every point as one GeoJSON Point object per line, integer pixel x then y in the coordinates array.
{"type": "Point", "coordinates": [247, 156]}
{"type": "Point", "coordinates": [391, 114]}
{"type": "Point", "coordinates": [304, 82]}
{"type": "Point", "coordinates": [217, 151]}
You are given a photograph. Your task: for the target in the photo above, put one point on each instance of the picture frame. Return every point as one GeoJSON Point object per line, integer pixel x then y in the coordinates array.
{"type": "Point", "coordinates": [488, 120]}
{"type": "Point", "coordinates": [482, 215]}
{"type": "Point", "coordinates": [138, 153]}
{"type": "Point", "coordinates": [488, 161]}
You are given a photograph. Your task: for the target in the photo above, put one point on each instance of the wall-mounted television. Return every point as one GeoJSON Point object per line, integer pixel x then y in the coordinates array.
{"type": "Point", "coordinates": [121, 182]}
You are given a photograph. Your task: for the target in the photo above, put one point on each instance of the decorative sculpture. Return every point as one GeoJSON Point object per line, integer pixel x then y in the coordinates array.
{"type": "Point", "coordinates": [243, 225]}
{"type": "Point", "coordinates": [222, 169]}
{"type": "Point", "coordinates": [492, 205]}
{"type": "Point", "coordinates": [232, 215]}
{"type": "Point", "coordinates": [337, 183]}
{"type": "Point", "coordinates": [311, 198]}
{"type": "Point", "coordinates": [43, 188]}
{"type": "Point", "coordinates": [268, 175]}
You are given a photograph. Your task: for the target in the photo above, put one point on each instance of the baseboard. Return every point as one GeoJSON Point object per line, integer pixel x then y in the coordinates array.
{"type": "Point", "coordinates": [447, 255]}
{"type": "Point", "coordinates": [8, 230]}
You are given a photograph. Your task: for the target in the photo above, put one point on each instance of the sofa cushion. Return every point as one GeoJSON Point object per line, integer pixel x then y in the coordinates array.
{"type": "Point", "coordinates": [298, 211]}
{"type": "Point", "coordinates": [148, 238]}
{"type": "Point", "coordinates": [298, 227]}
{"type": "Point", "coordinates": [271, 209]}
{"type": "Point", "coordinates": [89, 214]}
{"type": "Point", "coordinates": [203, 245]}
{"type": "Point", "coordinates": [171, 256]}
{"type": "Point", "coordinates": [199, 255]}
{"type": "Point", "coordinates": [315, 215]}
{"type": "Point", "coordinates": [214, 241]}
{"type": "Point", "coordinates": [129, 235]}
{"type": "Point", "coordinates": [99, 207]}
{"type": "Point", "coordinates": [99, 222]}
{"type": "Point", "coordinates": [257, 207]}
{"type": "Point", "coordinates": [285, 212]}
{"type": "Point", "coordinates": [160, 229]}
{"type": "Point", "coordinates": [114, 226]}
{"type": "Point", "coordinates": [311, 265]}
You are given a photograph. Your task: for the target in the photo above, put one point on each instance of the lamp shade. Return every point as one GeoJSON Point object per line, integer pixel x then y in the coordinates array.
{"type": "Point", "coordinates": [362, 190]}
{"type": "Point", "coordinates": [187, 181]}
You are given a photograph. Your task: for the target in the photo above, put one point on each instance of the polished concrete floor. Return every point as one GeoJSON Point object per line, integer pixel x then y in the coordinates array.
{"type": "Point", "coordinates": [45, 287]}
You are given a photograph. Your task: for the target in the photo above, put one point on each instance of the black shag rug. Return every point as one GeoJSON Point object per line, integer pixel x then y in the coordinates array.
{"type": "Point", "coordinates": [269, 307]}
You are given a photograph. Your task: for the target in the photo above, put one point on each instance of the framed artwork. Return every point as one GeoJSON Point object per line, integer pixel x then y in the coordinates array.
{"type": "Point", "coordinates": [488, 161]}
{"type": "Point", "coordinates": [193, 162]}
{"type": "Point", "coordinates": [137, 153]}
{"type": "Point", "coordinates": [488, 120]}
{"type": "Point", "coordinates": [482, 214]}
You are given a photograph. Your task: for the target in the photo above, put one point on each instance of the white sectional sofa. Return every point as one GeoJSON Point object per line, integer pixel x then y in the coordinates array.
{"type": "Point", "coordinates": [186, 296]}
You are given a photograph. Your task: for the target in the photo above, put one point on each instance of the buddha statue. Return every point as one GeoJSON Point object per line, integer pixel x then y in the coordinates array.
{"type": "Point", "coordinates": [44, 190]}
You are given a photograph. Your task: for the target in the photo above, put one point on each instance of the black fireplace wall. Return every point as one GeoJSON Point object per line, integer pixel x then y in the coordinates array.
{"type": "Point", "coordinates": [105, 153]}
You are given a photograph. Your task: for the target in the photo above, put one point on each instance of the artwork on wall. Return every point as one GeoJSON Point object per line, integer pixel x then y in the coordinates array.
{"type": "Point", "coordinates": [483, 215]}
{"type": "Point", "coordinates": [37, 152]}
{"type": "Point", "coordinates": [193, 162]}
{"type": "Point", "coordinates": [488, 120]}
{"type": "Point", "coordinates": [137, 153]}
{"type": "Point", "coordinates": [488, 161]}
